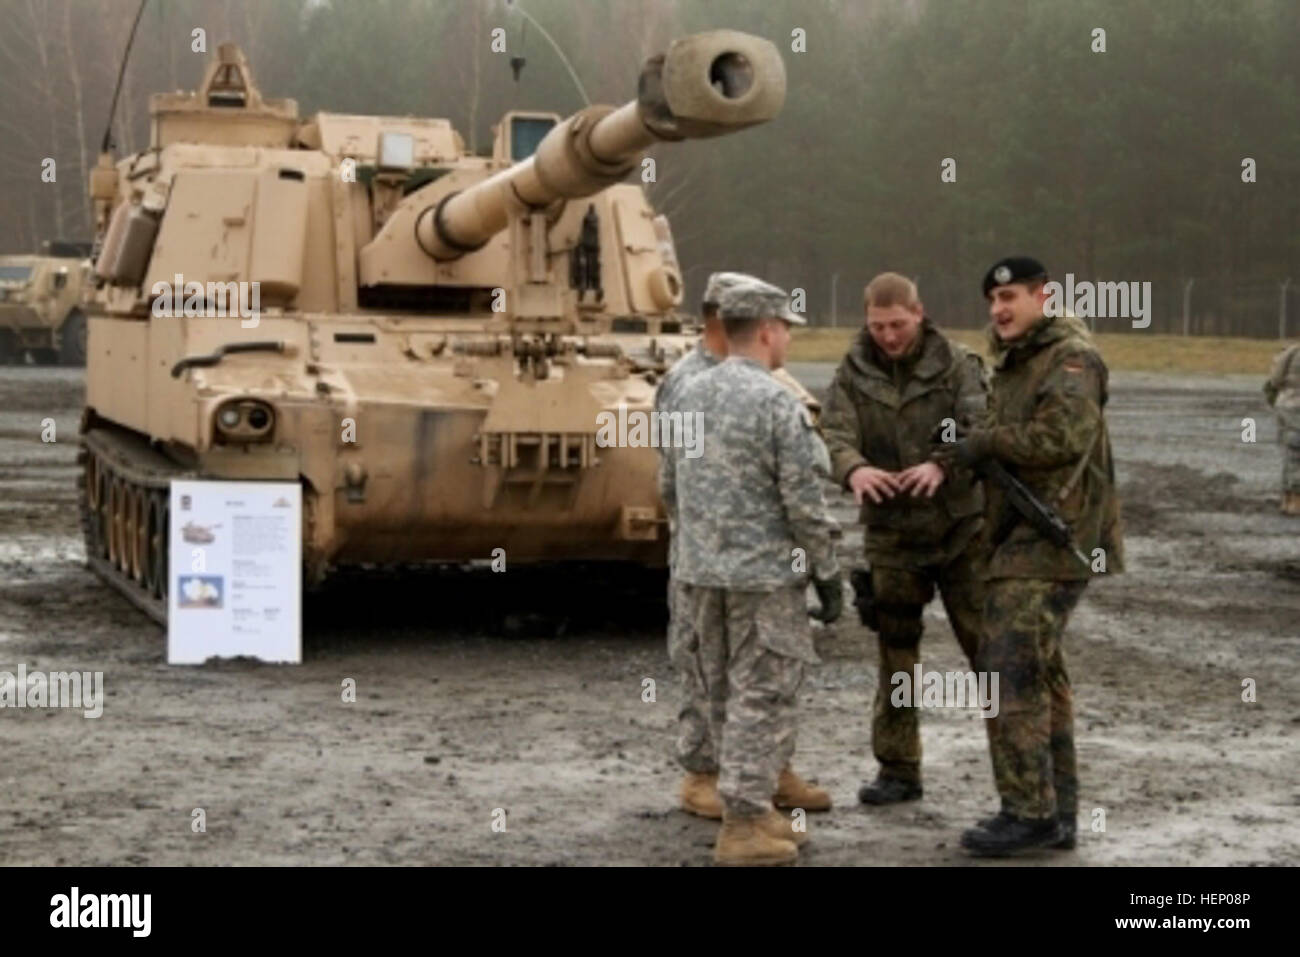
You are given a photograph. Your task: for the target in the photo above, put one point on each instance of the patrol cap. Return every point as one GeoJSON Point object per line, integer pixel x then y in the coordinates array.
{"type": "Point", "coordinates": [720, 282]}
{"type": "Point", "coordinates": [1013, 269]}
{"type": "Point", "coordinates": [756, 299]}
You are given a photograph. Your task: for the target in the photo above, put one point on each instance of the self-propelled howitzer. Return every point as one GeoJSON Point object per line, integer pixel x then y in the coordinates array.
{"type": "Point", "coordinates": [423, 338]}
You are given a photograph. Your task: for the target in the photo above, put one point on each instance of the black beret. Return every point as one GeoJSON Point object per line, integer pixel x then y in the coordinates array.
{"type": "Point", "coordinates": [1013, 269]}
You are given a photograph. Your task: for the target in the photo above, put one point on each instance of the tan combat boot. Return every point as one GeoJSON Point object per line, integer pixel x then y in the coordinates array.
{"type": "Point", "coordinates": [745, 840]}
{"type": "Point", "coordinates": [1291, 503]}
{"type": "Point", "coordinates": [776, 824]}
{"type": "Point", "coordinates": [700, 795]}
{"type": "Point", "coordinates": [793, 791]}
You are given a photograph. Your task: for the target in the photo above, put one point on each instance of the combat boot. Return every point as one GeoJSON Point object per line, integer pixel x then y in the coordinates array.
{"type": "Point", "coordinates": [1291, 503]}
{"type": "Point", "coordinates": [1067, 823]}
{"type": "Point", "coordinates": [1009, 834]}
{"type": "Point", "coordinates": [700, 795]}
{"type": "Point", "coordinates": [1068, 828]}
{"type": "Point", "coordinates": [988, 822]}
{"type": "Point", "coordinates": [779, 825]}
{"type": "Point", "coordinates": [885, 790]}
{"type": "Point", "coordinates": [793, 791]}
{"type": "Point", "coordinates": [745, 840]}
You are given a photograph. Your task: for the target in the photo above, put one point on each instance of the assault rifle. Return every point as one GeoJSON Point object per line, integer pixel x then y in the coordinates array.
{"type": "Point", "coordinates": [1024, 504]}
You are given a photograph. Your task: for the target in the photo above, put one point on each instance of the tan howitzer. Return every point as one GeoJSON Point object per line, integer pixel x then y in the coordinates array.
{"type": "Point", "coordinates": [384, 323]}
{"type": "Point", "coordinates": [707, 84]}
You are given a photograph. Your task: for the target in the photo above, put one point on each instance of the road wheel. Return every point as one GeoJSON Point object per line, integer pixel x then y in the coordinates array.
{"type": "Point", "coordinates": [135, 522]}
{"type": "Point", "coordinates": [159, 507]}
{"type": "Point", "coordinates": [8, 353]}
{"type": "Point", "coordinates": [153, 541]}
{"type": "Point", "coordinates": [72, 340]}
{"type": "Point", "coordinates": [102, 516]}
{"type": "Point", "coordinates": [117, 531]}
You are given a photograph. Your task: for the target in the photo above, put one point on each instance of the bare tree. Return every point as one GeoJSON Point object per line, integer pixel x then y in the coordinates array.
{"type": "Point", "coordinates": [79, 114]}
{"type": "Point", "coordinates": [46, 81]}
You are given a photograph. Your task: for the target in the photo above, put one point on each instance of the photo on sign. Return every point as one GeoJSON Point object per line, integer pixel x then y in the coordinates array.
{"type": "Point", "coordinates": [196, 534]}
{"type": "Point", "coordinates": [200, 591]}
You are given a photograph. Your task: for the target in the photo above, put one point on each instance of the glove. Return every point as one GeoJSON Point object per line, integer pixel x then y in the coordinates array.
{"type": "Point", "coordinates": [966, 452]}
{"type": "Point", "coordinates": [830, 592]}
{"type": "Point", "coordinates": [864, 597]}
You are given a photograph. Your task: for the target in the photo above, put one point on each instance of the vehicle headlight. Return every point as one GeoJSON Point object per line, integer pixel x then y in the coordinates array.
{"type": "Point", "coordinates": [244, 420]}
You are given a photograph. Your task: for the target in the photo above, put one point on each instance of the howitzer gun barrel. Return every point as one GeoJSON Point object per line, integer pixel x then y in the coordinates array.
{"type": "Point", "coordinates": [706, 84]}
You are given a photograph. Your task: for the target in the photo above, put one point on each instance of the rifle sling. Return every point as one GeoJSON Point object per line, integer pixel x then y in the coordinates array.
{"type": "Point", "coordinates": [1077, 474]}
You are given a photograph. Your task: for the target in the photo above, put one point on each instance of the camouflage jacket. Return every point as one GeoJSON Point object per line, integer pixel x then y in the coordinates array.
{"type": "Point", "coordinates": [1283, 387]}
{"type": "Point", "coordinates": [799, 391]}
{"type": "Point", "coordinates": [667, 401]}
{"type": "Point", "coordinates": [700, 359]}
{"type": "Point", "coordinates": [674, 381]}
{"type": "Point", "coordinates": [753, 495]}
{"type": "Point", "coordinates": [1046, 426]}
{"type": "Point", "coordinates": [883, 414]}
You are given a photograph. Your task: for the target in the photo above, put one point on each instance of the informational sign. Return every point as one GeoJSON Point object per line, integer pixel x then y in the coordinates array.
{"type": "Point", "coordinates": [235, 585]}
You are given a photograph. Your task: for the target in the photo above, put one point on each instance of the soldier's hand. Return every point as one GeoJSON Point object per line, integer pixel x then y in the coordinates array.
{"type": "Point", "coordinates": [966, 453]}
{"type": "Point", "coordinates": [923, 479]}
{"type": "Point", "coordinates": [876, 484]}
{"type": "Point", "coordinates": [830, 592]}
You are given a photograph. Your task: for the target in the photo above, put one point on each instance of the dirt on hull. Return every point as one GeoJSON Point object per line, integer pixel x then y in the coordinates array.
{"type": "Point", "coordinates": [524, 693]}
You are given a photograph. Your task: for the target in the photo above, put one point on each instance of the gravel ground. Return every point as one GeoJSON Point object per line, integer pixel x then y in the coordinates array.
{"type": "Point", "coordinates": [473, 697]}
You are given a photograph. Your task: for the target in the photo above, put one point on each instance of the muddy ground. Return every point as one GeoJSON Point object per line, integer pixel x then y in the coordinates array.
{"type": "Point", "coordinates": [525, 694]}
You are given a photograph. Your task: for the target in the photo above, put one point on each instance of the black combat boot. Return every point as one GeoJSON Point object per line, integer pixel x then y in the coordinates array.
{"type": "Point", "coordinates": [1009, 834]}
{"type": "Point", "coordinates": [889, 791]}
{"type": "Point", "coordinates": [988, 822]}
{"type": "Point", "coordinates": [1068, 827]}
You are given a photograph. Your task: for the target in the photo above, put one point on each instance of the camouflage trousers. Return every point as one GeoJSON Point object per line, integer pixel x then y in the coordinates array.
{"type": "Point", "coordinates": [901, 595]}
{"type": "Point", "coordinates": [695, 750]}
{"type": "Point", "coordinates": [1032, 737]}
{"type": "Point", "coordinates": [1290, 439]}
{"type": "Point", "coordinates": [748, 651]}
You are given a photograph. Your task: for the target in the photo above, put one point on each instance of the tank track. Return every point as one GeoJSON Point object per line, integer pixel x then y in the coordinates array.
{"type": "Point", "coordinates": [123, 491]}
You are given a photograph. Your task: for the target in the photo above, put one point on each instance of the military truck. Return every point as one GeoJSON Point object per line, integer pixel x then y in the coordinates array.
{"type": "Point", "coordinates": [436, 336]}
{"type": "Point", "coordinates": [40, 304]}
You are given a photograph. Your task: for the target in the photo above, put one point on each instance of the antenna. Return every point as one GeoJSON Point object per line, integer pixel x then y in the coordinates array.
{"type": "Point", "coordinates": [121, 72]}
{"type": "Point", "coordinates": [586, 100]}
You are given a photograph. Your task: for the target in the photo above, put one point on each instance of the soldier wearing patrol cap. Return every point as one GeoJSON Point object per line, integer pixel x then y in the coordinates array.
{"type": "Point", "coordinates": [750, 516]}
{"type": "Point", "coordinates": [695, 748]}
{"type": "Point", "coordinates": [1046, 425]}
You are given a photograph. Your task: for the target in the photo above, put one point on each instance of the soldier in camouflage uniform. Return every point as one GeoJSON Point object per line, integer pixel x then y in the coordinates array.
{"type": "Point", "coordinates": [695, 748]}
{"type": "Point", "coordinates": [1283, 392]}
{"type": "Point", "coordinates": [743, 511]}
{"type": "Point", "coordinates": [899, 381]}
{"type": "Point", "coordinates": [1046, 425]}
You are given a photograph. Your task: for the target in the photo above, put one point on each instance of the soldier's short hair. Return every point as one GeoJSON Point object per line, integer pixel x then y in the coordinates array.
{"type": "Point", "coordinates": [890, 289]}
{"type": "Point", "coordinates": [741, 331]}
